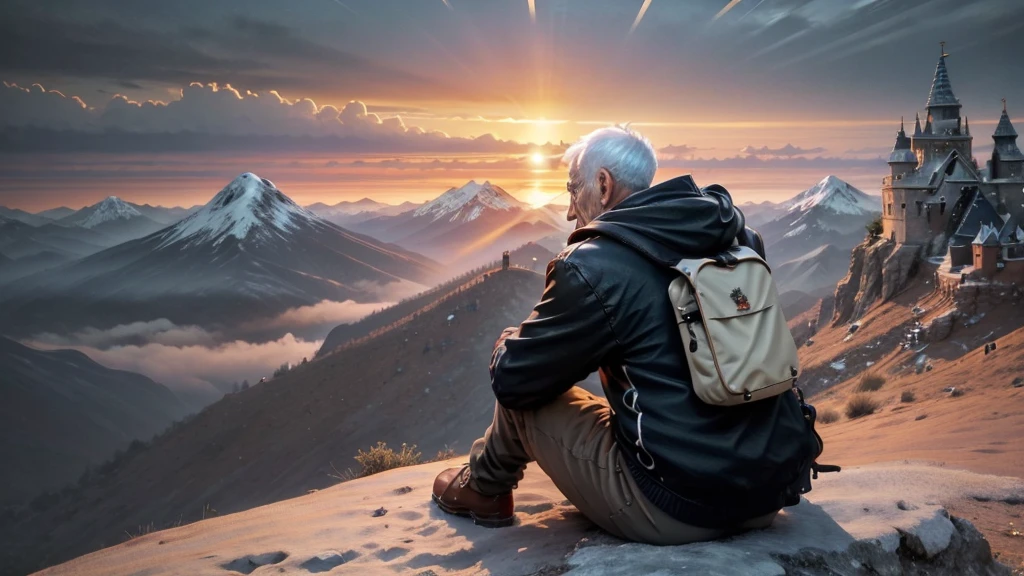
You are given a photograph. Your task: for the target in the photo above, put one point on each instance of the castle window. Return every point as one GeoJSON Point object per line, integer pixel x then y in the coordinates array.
{"type": "Point", "coordinates": [889, 207]}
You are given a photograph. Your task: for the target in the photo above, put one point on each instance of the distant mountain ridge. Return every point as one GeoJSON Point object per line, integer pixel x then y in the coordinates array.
{"type": "Point", "coordinates": [808, 237]}
{"type": "Point", "coordinates": [468, 225]}
{"type": "Point", "coordinates": [250, 252]}
{"type": "Point", "coordinates": [63, 412]}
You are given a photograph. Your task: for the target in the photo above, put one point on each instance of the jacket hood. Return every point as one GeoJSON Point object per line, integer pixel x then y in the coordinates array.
{"type": "Point", "coordinates": [670, 221]}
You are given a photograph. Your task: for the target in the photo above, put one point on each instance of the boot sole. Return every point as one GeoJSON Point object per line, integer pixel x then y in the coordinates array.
{"type": "Point", "coordinates": [478, 520]}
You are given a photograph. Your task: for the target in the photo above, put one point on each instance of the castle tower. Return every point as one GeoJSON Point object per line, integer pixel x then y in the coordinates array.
{"type": "Point", "coordinates": [943, 130]}
{"type": "Point", "coordinates": [504, 260]}
{"type": "Point", "coordinates": [902, 159]}
{"type": "Point", "coordinates": [985, 250]}
{"type": "Point", "coordinates": [1007, 160]}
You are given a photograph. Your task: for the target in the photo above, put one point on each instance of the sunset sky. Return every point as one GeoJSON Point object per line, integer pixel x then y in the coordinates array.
{"type": "Point", "coordinates": [164, 103]}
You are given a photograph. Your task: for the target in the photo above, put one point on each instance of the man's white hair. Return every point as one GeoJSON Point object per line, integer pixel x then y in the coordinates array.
{"type": "Point", "coordinates": [625, 153]}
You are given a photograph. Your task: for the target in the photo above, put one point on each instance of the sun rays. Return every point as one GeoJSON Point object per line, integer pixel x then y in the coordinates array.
{"type": "Point", "coordinates": [640, 16]}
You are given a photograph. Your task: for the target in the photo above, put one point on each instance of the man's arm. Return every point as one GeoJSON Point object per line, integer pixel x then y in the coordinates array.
{"type": "Point", "coordinates": [561, 343]}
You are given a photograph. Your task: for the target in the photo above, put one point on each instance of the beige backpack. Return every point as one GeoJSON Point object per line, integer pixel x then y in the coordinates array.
{"type": "Point", "coordinates": [737, 343]}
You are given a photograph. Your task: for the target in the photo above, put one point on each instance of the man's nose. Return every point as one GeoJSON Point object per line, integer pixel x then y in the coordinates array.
{"type": "Point", "coordinates": [570, 214]}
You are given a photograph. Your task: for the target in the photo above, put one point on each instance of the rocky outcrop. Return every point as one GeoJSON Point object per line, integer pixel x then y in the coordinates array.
{"type": "Point", "coordinates": [869, 520]}
{"type": "Point", "coordinates": [879, 269]}
{"type": "Point", "coordinates": [940, 327]}
{"type": "Point", "coordinates": [939, 546]}
{"type": "Point", "coordinates": [847, 288]}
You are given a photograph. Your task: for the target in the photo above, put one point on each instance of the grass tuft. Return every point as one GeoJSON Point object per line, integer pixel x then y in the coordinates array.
{"type": "Point", "coordinates": [828, 416]}
{"type": "Point", "coordinates": [871, 382]}
{"type": "Point", "coordinates": [861, 405]}
{"type": "Point", "coordinates": [907, 397]}
{"type": "Point", "coordinates": [381, 458]}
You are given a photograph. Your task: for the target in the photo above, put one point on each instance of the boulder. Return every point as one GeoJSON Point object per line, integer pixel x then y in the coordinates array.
{"type": "Point", "coordinates": [940, 327]}
{"type": "Point", "coordinates": [878, 519]}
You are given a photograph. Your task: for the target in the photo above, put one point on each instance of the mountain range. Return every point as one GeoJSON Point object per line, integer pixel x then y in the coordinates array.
{"type": "Point", "coordinates": [115, 218]}
{"type": "Point", "coordinates": [808, 238]}
{"type": "Point", "coordinates": [249, 253]}
{"type": "Point", "coordinates": [346, 213]}
{"type": "Point", "coordinates": [468, 225]}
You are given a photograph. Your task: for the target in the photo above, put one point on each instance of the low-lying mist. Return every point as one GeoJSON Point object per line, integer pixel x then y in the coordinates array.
{"type": "Point", "coordinates": [201, 365]}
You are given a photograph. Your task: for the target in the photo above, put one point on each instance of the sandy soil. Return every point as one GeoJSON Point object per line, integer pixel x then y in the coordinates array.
{"type": "Point", "coordinates": [978, 428]}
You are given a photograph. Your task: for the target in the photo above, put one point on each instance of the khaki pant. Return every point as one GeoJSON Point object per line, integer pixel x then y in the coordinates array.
{"type": "Point", "coordinates": [572, 441]}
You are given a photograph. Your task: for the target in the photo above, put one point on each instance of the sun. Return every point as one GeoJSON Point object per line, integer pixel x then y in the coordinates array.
{"type": "Point", "coordinates": [537, 158]}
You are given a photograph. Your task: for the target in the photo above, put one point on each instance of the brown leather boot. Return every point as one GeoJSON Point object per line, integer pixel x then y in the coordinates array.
{"type": "Point", "coordinates": [453, 495]}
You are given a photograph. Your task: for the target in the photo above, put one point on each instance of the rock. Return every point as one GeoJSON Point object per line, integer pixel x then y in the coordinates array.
{"type": "Point", "coordinates": [879, 269]}
{"type": "Point", "coordinates": [1018, 382]}
{"type": "Point", "coordinates": [867, 520]}
{"type": "Point", "coordinates": [940, 327]}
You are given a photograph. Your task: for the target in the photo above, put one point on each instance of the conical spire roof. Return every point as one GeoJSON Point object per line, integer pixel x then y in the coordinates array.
{"type": "Point", "coordinates": [1004, 128]}
{"type": "Point", "coordinates": [917, 124]}
{"type": "Point", "coordinates": [942, 92]}
{"type": "Point", "coordinates": [901, 151]}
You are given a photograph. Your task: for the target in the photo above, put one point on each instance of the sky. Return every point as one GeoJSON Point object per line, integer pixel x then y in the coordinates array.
{"type": "Point", "coordinates": [164, 103]}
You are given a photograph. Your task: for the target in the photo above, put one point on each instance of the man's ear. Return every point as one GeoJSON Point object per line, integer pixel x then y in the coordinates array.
{"type": "Point", "coordinates": [605, 186]}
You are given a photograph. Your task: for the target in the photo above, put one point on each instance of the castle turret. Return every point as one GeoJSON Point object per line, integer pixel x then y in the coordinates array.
{"type": "Point", "coordinates": [943, 129]}
{"type": "Point", "coordinates": [1007, 159]}
{"type": "Point", "coordinates": [902, 159]}
{"type": "Point", "coordinates": [942, 104]}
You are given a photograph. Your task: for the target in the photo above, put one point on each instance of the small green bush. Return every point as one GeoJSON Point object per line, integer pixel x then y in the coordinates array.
{"type": "Point", "coordinates": [907, 397]}
{"type": "Point", "coordinates": [381, 458]}
{"type": "Point", "coordinates": [828, 416]}
{"type": "Point", "coordinates": [861, 405]}
{"type": "Point", "coordinates": [870, 383]}
{"type": "Point", "coordinates": [875, 227]}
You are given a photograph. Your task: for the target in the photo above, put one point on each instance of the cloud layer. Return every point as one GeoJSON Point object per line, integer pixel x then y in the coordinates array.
{"type": "Point", "coordinates": [212, 116]}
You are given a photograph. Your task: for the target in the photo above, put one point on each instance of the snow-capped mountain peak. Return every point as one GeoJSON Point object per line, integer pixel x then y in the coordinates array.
{"type": "Point", "coordinates": [833, 194]}
{"type": "Point", "coordinates": [468, 202]}
{"type": "Point", "coordinates": [249, 205]}
{"type": "Point", "coordinates": [110, 209]}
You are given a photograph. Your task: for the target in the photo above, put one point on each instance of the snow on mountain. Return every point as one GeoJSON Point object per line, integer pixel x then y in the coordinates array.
{"type": "Point", "coordinates": [468, 202]}
{"type": "Point", "coordinates": [831, 214]}
{"type": "Point", "coordinates": [110, 209]}
{"type": "Point", "coordinates": [835, 195]}
{"type": "Point", "coordinates": [249, 205]}
{"type": "Point", "coordinates": [251, 252]}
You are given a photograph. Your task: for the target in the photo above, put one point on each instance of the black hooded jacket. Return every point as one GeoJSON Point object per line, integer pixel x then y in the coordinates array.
{"type": "Point", "coordinates": [605, 307]}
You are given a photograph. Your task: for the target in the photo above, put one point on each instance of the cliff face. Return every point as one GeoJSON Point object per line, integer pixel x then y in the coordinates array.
{"type": "Point", "coordinates": [879, 269]}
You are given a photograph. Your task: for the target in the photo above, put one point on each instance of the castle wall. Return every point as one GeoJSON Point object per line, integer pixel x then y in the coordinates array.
{"type": "Point", "coordinates": [907, 216]}
{"type": "Point", "coordinates": [1010, 195]}
{"type": "Point", "coordinates": [960, 255]}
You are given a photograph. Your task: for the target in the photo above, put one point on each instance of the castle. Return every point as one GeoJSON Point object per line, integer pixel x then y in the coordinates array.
{"type": "Point", "coordinates": [938, 198]}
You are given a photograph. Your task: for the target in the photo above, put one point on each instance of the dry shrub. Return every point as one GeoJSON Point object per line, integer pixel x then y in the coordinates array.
{"type": "Point", "coordinates": [861, 405]}
{"type": "Point", "coordinates": [447, 454]}
{"type": "Point", "coordinates": [870, 382]}
{"type": "Point", "coordinates": [828, 416]}
{"type": "Point", "coordinates": [381, 458]}
{"type": "Point", "coordinates": [907, 396]}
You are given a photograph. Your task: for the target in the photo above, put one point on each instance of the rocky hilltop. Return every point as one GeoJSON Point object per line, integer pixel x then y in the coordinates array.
{"type": "Point", "coordinates": [881, 519]}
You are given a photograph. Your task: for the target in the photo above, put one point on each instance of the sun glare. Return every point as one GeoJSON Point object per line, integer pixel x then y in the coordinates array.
{"type": "Point", "coordinates": [537, 198]}
{"type": "Point", "coordinates": [537, 158]}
